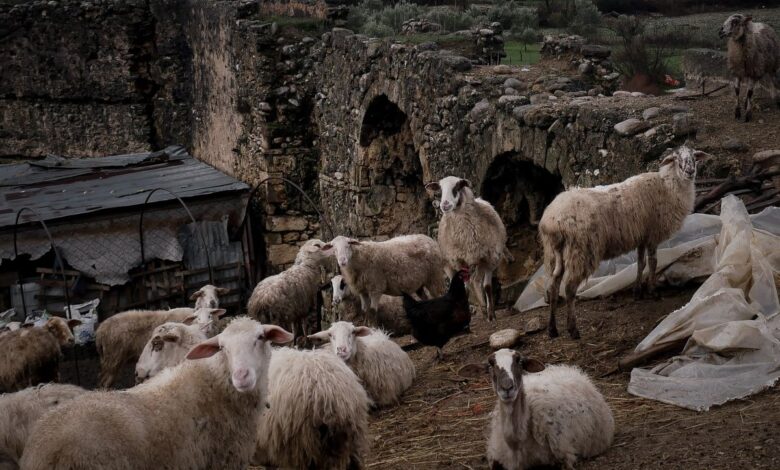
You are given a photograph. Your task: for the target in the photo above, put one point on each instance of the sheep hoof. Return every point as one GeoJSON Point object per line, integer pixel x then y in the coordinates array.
{"type": "Point", "coordinates": [748, 116]}
{"type": "Point", "coordinates": [574, 333]}
{"type": "Point", "coordinates": [737, 113]}
{"type": "Point", "coordinates": [639, 293]}
{"type": "Point", "coordinates": [552, 330]}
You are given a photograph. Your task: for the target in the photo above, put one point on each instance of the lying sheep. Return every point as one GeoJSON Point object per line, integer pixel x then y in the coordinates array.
{"type": "Point", "coordinates": [384, 368]}
{"type": "Point", "coordinates": [390, 314]}
{"type": "Point", "coordinates": [407, 264]}
{"type": "Point", "coordinates": [120, 339]}
{"type": "Point", "coordinates": [753, 55]}
{"type": "Point", "coordinates": [287, 298]}
{"type": "Point", "coordinates": [583, 226]}
{"type": "Point", "coordinates": [472, 237]}
{"type": "Point", "coordinates": [315, 401]}
{"type": "Point", "coordinates": [318, 416]}
{"type": "Point", "coordinates": [21, 410]}
{"type": "Point", "coordinates": [201, 414]}
{"type": "Point", "coordinates": [551, 416]}
{"type": "Point", "coordinates": [168, 346]}
{"type": "Point", "coordinates": [32, 355]}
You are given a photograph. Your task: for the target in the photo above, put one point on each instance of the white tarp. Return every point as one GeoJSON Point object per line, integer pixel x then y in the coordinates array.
{"type": "Point", "coordinates": [732, 321]}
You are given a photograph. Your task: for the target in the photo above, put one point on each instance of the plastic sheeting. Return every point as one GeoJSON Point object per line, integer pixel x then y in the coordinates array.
{"type": "Point", "coordinates": [732, 320]}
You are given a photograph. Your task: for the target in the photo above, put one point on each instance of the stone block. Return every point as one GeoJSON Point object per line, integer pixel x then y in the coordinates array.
{"type": "Point", "coordinates": [286, 223]}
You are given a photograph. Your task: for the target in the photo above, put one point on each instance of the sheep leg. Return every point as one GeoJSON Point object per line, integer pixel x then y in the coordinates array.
{"type": "Point", "coordinates": [652, 262]}
{"type": "Point", "coordinates": [365, 304]}
{"type": "Point", "coordinates": [640, 268]}
{"type": "Point", "coordinates": [738, 106]}
{"type": "Point", "coordinates": [553, 294]}
{"type": "Point", "coordinates": [487, 288]}
{"type": "Point", "coordinates": [749, 99]}
{"type": "Point", "coordinates": [774, 83]}
{"type": "Point", "coordinates": [571, 317]}
{"type": "Point", "coordinates": [374, 308]}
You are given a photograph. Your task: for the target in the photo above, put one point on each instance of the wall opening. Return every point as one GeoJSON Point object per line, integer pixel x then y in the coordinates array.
{"type": "Point", "coordinates": [520, 191]}
{"type": "Point", "coordinates": [392, 200]}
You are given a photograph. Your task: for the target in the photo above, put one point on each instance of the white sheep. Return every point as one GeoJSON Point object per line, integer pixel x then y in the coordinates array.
{"type": "Point", "coordinates": [384, 368]}
{"type": "Point", "coordinates": [407, 264]}
{"type": "Point", "coordinates": [472, 237]}
{"type": "Point", "coordinates": [315, 401]}
{"type": "Point", "coordinates": [21, 410]}
{"type": "Point", "coordinates": [390, 314]}
{"type": "Point", "coordinates": [120, 339]}
{"type": "Point", "coordinates": [287, 298]}
{"type": "Point", "coordinates": [753, 55]}
{"type": "Point", "coordinates": [549, 416]}
{"type": "Point", "coordinates": [583, 226]}
{"type": "Point", "coordinates": [201, 414]}
{"type": "Point", "coordinates": [208, 296]}
{"type": "Point", "coordinates": [168, 346]}
{"type": "Point", "coordinates": [31, 355]}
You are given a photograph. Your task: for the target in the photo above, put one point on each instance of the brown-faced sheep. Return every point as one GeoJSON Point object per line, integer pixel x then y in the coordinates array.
{"type": "Point", "coordinates": [201, 414]}
{"type": "Point", "coordinates": [753, 55]}
{"type": "Point", "coordinates": [583, 226]}
{"type": "Point", "coordinates": [32, 355]}
{"type": "Point", "coordinates": [21, 410]}
{"type": "Point", "coordinates": [551, 416]}
{"type": "Point", "coordinates": [472, 237]}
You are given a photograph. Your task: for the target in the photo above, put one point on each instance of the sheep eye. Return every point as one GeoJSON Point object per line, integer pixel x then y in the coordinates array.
{"type": "Point", "coordinates": [454, 193]}
{"type": "Point", "coordinates": [261, 337]}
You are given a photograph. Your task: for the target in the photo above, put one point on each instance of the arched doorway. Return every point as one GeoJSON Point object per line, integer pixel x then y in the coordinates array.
{"type": "Point", "coordinates": [392, 198]}
{"type": "Point", "coordinates": [519, 190]}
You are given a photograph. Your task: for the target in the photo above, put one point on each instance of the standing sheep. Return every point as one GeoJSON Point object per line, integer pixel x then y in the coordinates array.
{"type": "Point", "coordinates": [21, 410]}
{"type": "Point", "coordinates": [402, 265]}
{"type": "Point", "coordinates": [472, 237]}
{"type": "Point", "coordinates": [32, 355]}
{"type": "Point", "coordinates": [208, 296]}
{"type": "Point", "coordinates": [390, 314]}
{"type": "Point", "coordinates": [551, 416]}
{"type": "Point", "coordinates": [583, 226]}
{"type": "Point", "coordinates": [120, 339]}
{"type": "Point", "coordinates": [287, 298]}
{"type": "Point", "coordinates": [384, 368]}
{"type": "Point", "coordinates": [753, 55]}
{"type": "Point", "coordinates": [201, 414]}
{"type": "Point", "coordinates": [168, 346]}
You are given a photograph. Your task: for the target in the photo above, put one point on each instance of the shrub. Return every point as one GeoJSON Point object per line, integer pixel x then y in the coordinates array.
{"type": "Point", "coordinates": [638, 59]}
{"type": "Point", "coordinates": [513, 16]}
{"type": "Point", "coordinates": [451, 19]}
{"type": "Point", "coordinates": [586, 19]}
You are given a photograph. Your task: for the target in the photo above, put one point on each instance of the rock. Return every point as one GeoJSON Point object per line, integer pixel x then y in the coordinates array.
{"type": "Point", "coordinates": [512, 100]}
{"type": "Point", "coordinates": [510, 91]}
{"type": "Point", "coordinates": [265, 107]}
{"type": "Point", "coordinates": [286, 223]}
{"type": "Point", "coordinates": [534, 325]}
{"type": "Point", "coordinates": [507, 338]}
{"type": "Point", "coordinates": [585, 68]}
{"type": "Point", "coordinates": [683, 124]}
{"type": "Point", "coordinates": [612, 76]}
{"type": "Point", "coordinates": [428, 46]}
{"type": "Point", "coordinates": [485, 32]}
{"type": "Point", "coordinates": [512, 82]}
{"type": "Point", "coordinates": [637, 94]}
{"type": "Point", "coordinates": [595, 91]}
{"type": "Point", "coordinates": [279, 255]}
{"type": "Point", "coordinates": [479, 110]}
{"type": "Point", "coordinates": [593, 50]}
{"type": "Point", "coordinates": [457, 62]}
{"type": "Point", "coordinates": [519, 112]}
{"type": "Point", "coordinates": [767, 156]}
{"type": "Point", "coordinates": [540, 98]}
{"type": "Point", "coordinates": [622, 94]}
{"type": "Point", "coordinates": [734, 145]}
{"type": "Point", "coordinates": [651, 113]}
{"type": "Point", "coordinates": [559, 93]}
{"type": "Point", "coordinates": [631, 126]}
{"type": "Point", "coordinates": [502, 69]}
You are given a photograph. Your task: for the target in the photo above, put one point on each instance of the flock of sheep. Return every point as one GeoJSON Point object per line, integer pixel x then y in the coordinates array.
{"type": "Point", "coordinates": [210, 395]}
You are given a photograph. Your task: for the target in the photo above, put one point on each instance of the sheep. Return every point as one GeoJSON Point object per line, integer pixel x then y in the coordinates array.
{"type": "Point", "coordinates": [288, 297]}
{"type": "Point", "coordinates": [315, 400]}
{"type": "Point", "coordinates": [208, 296]}
{"type": "Point", "coordinates": [583, 226]}
{"type": "Point", "coordinates": [32, 355]}
{"type": "Point", "coordinates": [201, 414]}
{"type": "Point", "coordinates": [472, 237]}
{"type": "Point", "coordinates": [407, 264]}
{"type": "Point", "coordinates": [120, 339]}
{"type": "Point", "coordinates": [21, 410]}
{"type": "Point", "coordinates": [550, 416]}
{"type": "Point", "coordinates": [753, 55]}
{"type": "Point", "coordinates": [318, 416]}
{"type": "Point", "coordinates": [168, 346]}
{"type": "Point", "coordinates": [390, 314]}
{"type": "Point", "coordinates": [384, 368]}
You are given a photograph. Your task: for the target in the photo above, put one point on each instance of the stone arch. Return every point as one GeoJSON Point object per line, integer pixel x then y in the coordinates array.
{"type": "Point", "coordinates": [391, 198]}
{"type": "Point", "coordinates": [520, 190]}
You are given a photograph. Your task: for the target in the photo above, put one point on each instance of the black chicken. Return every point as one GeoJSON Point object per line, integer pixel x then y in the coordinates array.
{"type": "Point", "coordinates": [434, 322]}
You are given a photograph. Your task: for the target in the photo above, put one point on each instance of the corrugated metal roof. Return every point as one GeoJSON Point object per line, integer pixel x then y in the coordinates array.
{"type": "Point", "coordinates": [60, 188]}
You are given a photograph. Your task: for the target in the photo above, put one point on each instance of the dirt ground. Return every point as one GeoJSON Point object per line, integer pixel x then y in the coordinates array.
{"type": "Point", "coordinates": [442, 420]}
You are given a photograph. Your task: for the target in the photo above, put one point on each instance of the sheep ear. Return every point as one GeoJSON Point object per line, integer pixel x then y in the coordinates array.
{"type": "Point", "coordinates": [463, 183]}
{"type": "Point", "coordinates": [73, 323]}
{"type": "Point", "coordinates": [277, 334]}
{"type": "Point", "coordinates": [205, 327]}
{"type": "Point", "coordinates": [747, 19]}
{"type": "Point", "coordinates": [195, 295]}
{"type": "Point", "coordinates": [171, 338]}
{"type": "Point", "coordinates": [362, 331]}
{"type": "Point", "coordinates": [327, 248]}
{"type": "Point", "coordinates": [27, 325]}
{"type": "Point", "coordinates": [223, 290]}
{"type": "Point", "coordinates": [471, 371]}
{"type": "Point", "coordinates": [532, 365]}
{"type": "Point", "coordinates": [670, 159]}
{"type": "Point", "coordinates": [190, 320]}
{"type": "Point", "coordinates": [205, 349]}
{"type": "Point", "coordinates": [434, 187]}
{"type": "Point", "coordinates": [699, 156]}
{"type": "Point", "coordinates": [217, 312]}
{"type": "Point", "coordinates": [320, 337]}
{"type": "Point", "coordinates": [352, 241]}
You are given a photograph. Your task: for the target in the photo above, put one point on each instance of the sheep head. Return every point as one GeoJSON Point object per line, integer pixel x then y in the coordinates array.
{"type": "Point", "coordinates": [341, 248]}
{"type": "Point", "coordinates": [208, 296]}
{"type": "Point", "coordinates": [163, 350]}
{"type": "Point", "coordinates": [735, 26]}
{"type": "Point", "coordinates": [245, 346]}
{"type": "Point", "coordinates": [312, 249]}
{"type": "Point", "coordinates": [340, 289]}
{"type": "Point", "coordinates": [683, 162]}
{"type": "Point", "coordinates": [506, 368]}
{"type": "Point", "coordinates": [453, 192]}
{"type": "Point", "coordinates": [62, 330]}
{"type": "Point", "coordinates": [342, 336]}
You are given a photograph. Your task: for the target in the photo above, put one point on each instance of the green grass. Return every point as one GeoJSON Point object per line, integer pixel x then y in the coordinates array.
{"type": "Point", "coordinates": [518, 53]}
{"type": "Point", "coordinates": [673, 64]}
